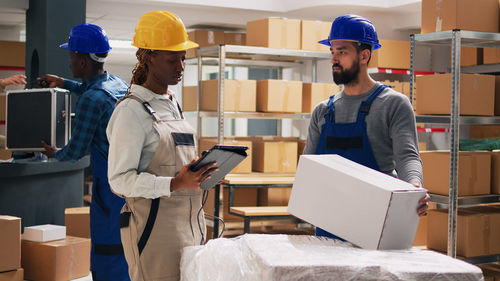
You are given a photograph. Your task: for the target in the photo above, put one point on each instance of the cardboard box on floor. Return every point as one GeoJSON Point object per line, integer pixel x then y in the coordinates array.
{"type": "Point", "coordinates": [13, 275]}
{"type": "Point", "coordinates": [474, 177]}
{"type": "Point", "coordinates": [279, 96]}
{"type": "Point", "coordinates": [245, 167]}
{"type": "Point", "coordinates": [382, 207]}
{"type": "Point", "coordinates": [10, 243]}
{"type": "Point", "coordinates": [239, 95]}
{"type": "Point", "coordinates": [77, 221]}
{"type": "Point", "coordinates": [495, 172]}
{"type": "Point", "coordinates": [477, 94]}
{"type": "Point", "coordinates": [58, 260]}
{"type": "Point", "coordinates": [312, 31]}
{"type": "Point", "coordinates": [438, 15]}
{"type": "Point", "coordinates": [243, 197]}
{"type": "Point", "coordinates": [314, 93]}
{"type": "Point", "coordinates": [274, 156]}
{"type": "Point", "coordinates": [478, 230]}
{"type": "Point", "coordinates": [204, 38]}
{"type": "Point", "coordinates": [393, 54]}
{"type": "Point", "coordinates": [279, 33]}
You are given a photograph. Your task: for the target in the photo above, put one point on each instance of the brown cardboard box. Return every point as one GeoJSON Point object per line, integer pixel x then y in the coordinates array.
{"type": "Point", "coordinates": [495, 172]}
{"type": "Point", "coordinates": [13, 275]}
{"type": "Point", "coordinates": [233, 38]}
{"type": "Point", "coordinates": [77, 221]}
{"type": "Point", "coordinates": [395, 85]}
{"type": "Point", "coordinates": [474, 177]}
{"type": "Point", "coordinates": [277, 33]}
{"type": "Point", "coordinates": [484, 131]}
{"type": "Point", "coordinates": [204, 38]}
{"type": "Point", "coordinates": [491, 56]}
{"type": "Point", "coordinates": [491, 271]}
{"type": "Point", "coordinates": [422, 146]}
{"type": "Point", "coordinates": [393, 54]}
{"type": "Point", "coordinates": [314, 93]}
{"type": "Point", "coordinates": [274, 196]}
{"type": "Point", "coordinates": [239, 95]}
{"type": "Point", "coordinates": [497, 95]}
{"type": "Point", "coordinates": [189, 98]}
{"type": "Point", "coordinates": [274, 156]}
{"type": "Point", "coordinates": [243, 197]}
{"type": "Point", "coordinates": [438, 15]}
{"type": "Point", "coordinates": [477, 231]}
{"type": "Point", "coordinates": [312, 31]}
{"type": "Point", "coordinates": [10, 243]}
{"type": "Point", "coordinates": [245, 167]}
{"type": "Point", "coordinates": [421, 234]}
{"type": "Point", "coordinates": [471, 56]}
{"type": "Point", "coordinates": [279, 96]}
{"type": "Point", "coordinates": [13, 53]}
{"type": "Point", "coordinates": [301, 145]}
{"type": "Point", "coordinates": [406, 89]}
{"type": "Point", "coordinates": [4, 154]}
{"type": "Point", "coordinates": [63, 259]}
{"type": "Point", "coordinates": [477, 94]}
{"type": "Point", "coordinates": [3, 107]}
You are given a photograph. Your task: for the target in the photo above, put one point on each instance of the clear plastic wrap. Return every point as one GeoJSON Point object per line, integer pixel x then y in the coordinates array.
{"type": "Point", "coordinates": [253, 257]}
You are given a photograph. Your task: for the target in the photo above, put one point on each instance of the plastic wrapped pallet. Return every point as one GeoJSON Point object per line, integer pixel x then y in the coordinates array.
{"type": "Point", "coordinates": [288, 257]}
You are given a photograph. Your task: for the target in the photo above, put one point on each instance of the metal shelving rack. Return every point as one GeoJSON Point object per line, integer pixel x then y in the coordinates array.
{"type": "Point", "coordinates": [456, 39]}
{"type": "Point", "coordinates": [249, 56]}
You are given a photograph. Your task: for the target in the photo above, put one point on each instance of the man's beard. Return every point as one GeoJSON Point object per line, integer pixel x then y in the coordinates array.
{"type": "Point", "coordinates": [346, 76]}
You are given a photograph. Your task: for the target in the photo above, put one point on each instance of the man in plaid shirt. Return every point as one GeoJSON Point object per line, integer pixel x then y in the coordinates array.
{"type": "Point", "coordinates": [89, 46]}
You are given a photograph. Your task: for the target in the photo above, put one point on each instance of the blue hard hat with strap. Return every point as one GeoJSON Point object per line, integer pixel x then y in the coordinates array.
{"type": "Point", "coordinates": [87, 38]}
{"type": "Point", "coordinates": [353, 28]}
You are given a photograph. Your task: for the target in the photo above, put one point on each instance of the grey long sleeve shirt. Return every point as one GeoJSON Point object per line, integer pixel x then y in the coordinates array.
{"type": "Point", "coordinates": [391, 130]}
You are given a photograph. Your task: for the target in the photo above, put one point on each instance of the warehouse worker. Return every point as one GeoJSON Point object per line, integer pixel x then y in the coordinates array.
{"type": "Point", "coordinates": [17, 79]}
{"type": "Point", "coordinates": [151, 147]}
{"type": "Point", "coordinates": [366, 122]}
{"type": "Point", "coordinates": [89, 46]}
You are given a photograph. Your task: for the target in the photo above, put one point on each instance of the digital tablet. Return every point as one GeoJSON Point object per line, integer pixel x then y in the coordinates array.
{"type": "Point", "coordinates": [226, 156]}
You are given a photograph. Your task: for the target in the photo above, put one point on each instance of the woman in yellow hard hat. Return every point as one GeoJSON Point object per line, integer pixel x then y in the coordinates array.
{"type": "Point", "coordinates": [151, 149]}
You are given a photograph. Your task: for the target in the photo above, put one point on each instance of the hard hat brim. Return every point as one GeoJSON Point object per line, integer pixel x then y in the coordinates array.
{"type": "Point", "coordinates": [327, 43]}
{"type": "Point", "coordinates": [64, 46]}
{"type": "Point", "coordinates": [179, 47]}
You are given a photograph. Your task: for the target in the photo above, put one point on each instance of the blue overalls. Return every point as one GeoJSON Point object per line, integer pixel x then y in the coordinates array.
{"type": "Point", "coordinates": [107, 259]}
{"type": "Point", "coordinates": [349, 140]}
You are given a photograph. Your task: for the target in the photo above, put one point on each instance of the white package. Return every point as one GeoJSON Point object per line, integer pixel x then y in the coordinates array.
{"type": "Point", "coordinates": [44, 233]}
{"type": "Point", "coordinates": [263, 257]}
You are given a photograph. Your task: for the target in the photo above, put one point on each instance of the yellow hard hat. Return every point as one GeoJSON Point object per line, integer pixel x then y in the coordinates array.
{"type": "Point", "coordinates": [161, 30]}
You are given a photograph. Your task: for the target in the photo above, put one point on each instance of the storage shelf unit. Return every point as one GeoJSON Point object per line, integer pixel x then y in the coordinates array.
{"type": "Point", "coordinates": [455, 39]}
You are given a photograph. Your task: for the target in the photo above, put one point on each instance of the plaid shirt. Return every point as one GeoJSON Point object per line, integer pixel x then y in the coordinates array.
{"type": "Point", "coordinates": [97, 98]}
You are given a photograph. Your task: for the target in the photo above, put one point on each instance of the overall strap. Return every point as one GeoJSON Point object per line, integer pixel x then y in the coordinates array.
{"type": "Point", "coordinates": [330, 115]}
{"type": "Point", "coordinates": [364, 108]}
{"type": "Point", "coordinates": [146, 105]}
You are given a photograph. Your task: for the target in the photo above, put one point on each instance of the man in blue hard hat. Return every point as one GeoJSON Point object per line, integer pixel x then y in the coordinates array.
{"type": "Point", "coordinates": [88, 45]}
{"type": "Point", "coordinates": [366, 122]}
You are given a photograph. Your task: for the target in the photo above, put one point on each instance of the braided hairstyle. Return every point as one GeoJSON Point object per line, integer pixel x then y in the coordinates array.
{"type": "Point", "coordinates": [140, 71]}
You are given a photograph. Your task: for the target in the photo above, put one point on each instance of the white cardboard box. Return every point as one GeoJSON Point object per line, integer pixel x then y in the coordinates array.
{"type": "Point", "coordinates": [44, 233]}
{"type": "Point", "coordinates": [367, 208]}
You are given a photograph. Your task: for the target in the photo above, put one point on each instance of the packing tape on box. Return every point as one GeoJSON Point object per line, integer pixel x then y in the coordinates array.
{"type": "Point", "coordinates": [211, 37]}
{"type": "Point", "coordinates": [286, 97]}
{"type": "Point", "coordinates": [474, 171]}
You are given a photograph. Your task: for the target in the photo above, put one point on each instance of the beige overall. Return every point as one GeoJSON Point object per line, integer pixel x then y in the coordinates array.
{"type": "Point", "coordinates": [175, 226]}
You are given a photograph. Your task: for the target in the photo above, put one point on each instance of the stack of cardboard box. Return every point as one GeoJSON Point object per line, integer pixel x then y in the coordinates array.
{"type": "Point", "coordinates": [10, 249]}
{"type": "Point", "coordinates": [208, 38]}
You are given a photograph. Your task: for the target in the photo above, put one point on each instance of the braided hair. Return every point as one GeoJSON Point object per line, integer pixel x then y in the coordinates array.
{"type": "Point", "coordinates": [140, 71]}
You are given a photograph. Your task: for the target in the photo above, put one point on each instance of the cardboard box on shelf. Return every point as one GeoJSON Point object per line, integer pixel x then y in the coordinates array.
{"type": "Point", "coordinates": [438, 15]}
{"type": "Point", "coordinates": [279, 33]}
{"type": "Point", "coordinates": [497, 95]}
{"type": "Point", "coordinates": [77, 221]}
{"type": "Point", "coordinates": [491, 56]}
{"type": "Point", "coordinates": [189, 98]}
{"type": "Point", "coordinates": [301, 145]}
{"type": "Point", "coordinates": [421, 234]}
{"type": "Point", "coordinates": [10, 243]}
{"type": "Point", "coordinates": [245, 167]}
{"type": "Point", "coordinates": [484, 131]}
{"type": "Point", "coordinates": [13, 53]}
{"type": "Point", "coordinates": [44, 232]}
{"type": "Point", "coordinates": [474, 177]}
{"type": "Point", "coordinates": [274, 196]}
{"type": "Point", "coordinates": [279, 96]}
{"type": "Point", "coordinates": [3, 107]}
{"type": "Point", "coordinates": [312, 31]}
{"type": "Point", "coordinates": [234, 38]}
{"type": "Point", "coordinates": [393, 54]}
{"type": "Point", "coordinates": [314, 93]}
{"type": "Point", "coordinates": [274, 156]}
{"type": "Point", "coordinates": [64, 259]}
{"type": "Point", "coordinates": [470, 56]}
{"type": "Point", "coordinates": [243, 197]}
{"type": "Point", "coordinates": [385, 214]}
{"type": "Point", "coordinates": [491, 271]}
{"type": "Point", "coordinates": [239, 95]}
{"type": "Point", "coordinates": [422, 146]}
{"type": "Point", "coordinates": [204, 38]}
{"type": "Point", "coordinates": [477, 94]}
{"type": "Point", "coordinates": [477, 231]}
{"type": "Point", "coordinates": [12, 275]}
{"type": "Point", "coordinates": [495, 172]}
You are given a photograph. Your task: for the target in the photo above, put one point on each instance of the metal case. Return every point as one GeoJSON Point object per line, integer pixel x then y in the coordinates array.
{"type": "Point", "coordinates": [37, 114]}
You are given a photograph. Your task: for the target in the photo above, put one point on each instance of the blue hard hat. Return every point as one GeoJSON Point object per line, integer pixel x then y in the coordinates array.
{"type": "Point", "coordinates": [353, 28]}
{"type": "Point", "coordinates": [87, 38]}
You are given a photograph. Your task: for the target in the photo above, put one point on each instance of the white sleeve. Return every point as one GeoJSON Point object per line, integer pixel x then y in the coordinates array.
{"type": "Point", "coordinates": [126, 138]}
